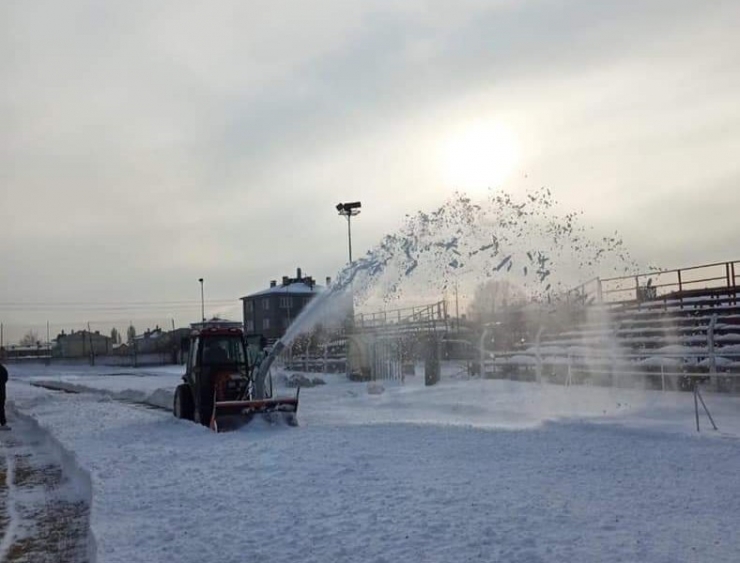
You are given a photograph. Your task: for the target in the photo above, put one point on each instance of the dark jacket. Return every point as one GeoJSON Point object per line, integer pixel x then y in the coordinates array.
{"type": "Point", "coordinates": [3, 375]}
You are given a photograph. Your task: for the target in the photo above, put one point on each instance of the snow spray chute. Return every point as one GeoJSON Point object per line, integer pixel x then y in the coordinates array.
{"type": "Point", "coordinates": [264, 368]}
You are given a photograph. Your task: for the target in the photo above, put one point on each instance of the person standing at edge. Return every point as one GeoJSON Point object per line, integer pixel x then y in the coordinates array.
{"type": "Point", "coordinates": [3, 381]}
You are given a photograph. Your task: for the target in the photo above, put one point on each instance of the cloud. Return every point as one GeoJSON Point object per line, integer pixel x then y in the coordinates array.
{"type": "Point", "coordinates": [147, 141]}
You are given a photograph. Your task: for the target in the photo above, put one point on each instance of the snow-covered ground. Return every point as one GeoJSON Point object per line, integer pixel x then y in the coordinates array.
{"type": "Point", "coordinates": [466, 470]}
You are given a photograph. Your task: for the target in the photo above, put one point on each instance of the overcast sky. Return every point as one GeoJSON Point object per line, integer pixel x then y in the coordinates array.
{"type": "Point", "coordinates": [146, 144]}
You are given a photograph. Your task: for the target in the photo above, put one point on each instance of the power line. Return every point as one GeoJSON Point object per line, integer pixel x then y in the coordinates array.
{"type": "Point", "coordinates": [110, 306]}
{"type": "Point", "coordinates": [109, 302]}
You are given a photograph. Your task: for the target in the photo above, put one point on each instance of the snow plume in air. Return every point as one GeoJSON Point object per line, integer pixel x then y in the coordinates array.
{"type": "Point", "coordinates": [523, 239]}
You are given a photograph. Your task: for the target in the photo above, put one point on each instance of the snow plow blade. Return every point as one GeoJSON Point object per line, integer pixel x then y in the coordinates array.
{"type": "Point", "coordinates": [230, 415]}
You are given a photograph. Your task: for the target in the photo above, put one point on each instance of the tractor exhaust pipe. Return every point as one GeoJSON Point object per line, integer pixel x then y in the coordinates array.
{"type": "Point", "coordinates": [259, 381]}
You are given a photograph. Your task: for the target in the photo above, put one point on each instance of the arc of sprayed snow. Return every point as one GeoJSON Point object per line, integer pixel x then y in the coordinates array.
{"type": "Point", "coordinates": [10, 531]}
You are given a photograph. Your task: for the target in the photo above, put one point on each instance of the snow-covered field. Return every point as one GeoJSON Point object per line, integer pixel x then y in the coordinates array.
{"type": "Point", "coordinates": [462, 471]}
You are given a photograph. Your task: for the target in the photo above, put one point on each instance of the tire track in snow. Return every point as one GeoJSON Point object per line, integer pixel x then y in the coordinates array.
{"type": "Point", "coordinates": [145, 401]}
{"type": "Point", "coordinates": [47, 516]}
{"type": "Point", "coordinates": [10, 505]}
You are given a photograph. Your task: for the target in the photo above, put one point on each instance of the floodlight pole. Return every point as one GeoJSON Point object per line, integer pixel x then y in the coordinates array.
{"type": "Point", "coordinates": [202, 302]}
{"type": "Point", "coordinates": [349, 210]}
{"type": "Point", "coordinates": [349, 235]}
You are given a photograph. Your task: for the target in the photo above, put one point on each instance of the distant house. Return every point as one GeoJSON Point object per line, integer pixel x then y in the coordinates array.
{"type": "Point", "coordinates": [81, 344]}
{"type": "Point", "coordinates": [151, 341]}
{"type": "Point", "coordinates": [268, 313]}
{"type": "Point", "coordinates": [158, 341]}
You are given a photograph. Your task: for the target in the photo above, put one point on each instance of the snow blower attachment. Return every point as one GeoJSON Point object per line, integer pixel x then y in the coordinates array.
{"type": "Point", "coordinates": [223, 389]}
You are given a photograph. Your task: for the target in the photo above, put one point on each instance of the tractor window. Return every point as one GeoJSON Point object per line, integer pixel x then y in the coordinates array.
{"type": "Point", "coordinates": [193, 354]}
{"type": "Point", "coordinates": [224, 350]}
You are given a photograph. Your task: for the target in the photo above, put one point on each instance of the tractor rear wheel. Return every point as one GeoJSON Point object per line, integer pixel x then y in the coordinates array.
{"type": "Point", "coordinates": [183, 406]}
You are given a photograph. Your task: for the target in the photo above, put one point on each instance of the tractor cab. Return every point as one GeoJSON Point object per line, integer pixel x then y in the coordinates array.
{"type": "Point", "coordinates": [219, 387]}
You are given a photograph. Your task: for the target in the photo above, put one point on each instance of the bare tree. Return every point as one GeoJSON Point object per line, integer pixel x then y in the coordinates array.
{"type": "Point", "coordinates": [115, 336]}
{"type": "Point", "coordinates": [130, 333]}
{"type": "Point", "coordinates": [493, 298]}
{"type": "Point", "coordinates": [31, 338]}
{"type": "Point", "coordinates": [501, 305]}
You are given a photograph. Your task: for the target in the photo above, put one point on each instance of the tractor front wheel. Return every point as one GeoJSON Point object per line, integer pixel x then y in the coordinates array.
{"type": "Point", "coordinates": [183, 406]}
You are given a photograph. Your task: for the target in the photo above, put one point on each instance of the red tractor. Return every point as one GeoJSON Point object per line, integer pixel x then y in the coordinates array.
{"type": "Point", "coordinates": [224, 385]}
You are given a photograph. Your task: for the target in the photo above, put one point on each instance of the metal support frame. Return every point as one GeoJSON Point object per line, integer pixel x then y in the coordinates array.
{"type": "Point", "coordinates": [698, 398]}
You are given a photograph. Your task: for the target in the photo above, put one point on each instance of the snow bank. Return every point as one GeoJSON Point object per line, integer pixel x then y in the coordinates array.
{"type": "Point", "coordinates": [76, 478]}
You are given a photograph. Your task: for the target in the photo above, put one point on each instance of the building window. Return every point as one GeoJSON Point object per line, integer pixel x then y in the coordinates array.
{"type": "Point", "coordinates": [249, 307]}
{"type": "Point", "coordinates": [286, 302]}
{"type": "Point", "coordinates": [265, 324]}
{"type": "Point", "coordinates": [266, 303]}
{"type": "Point", "coordinates": [250, 326]}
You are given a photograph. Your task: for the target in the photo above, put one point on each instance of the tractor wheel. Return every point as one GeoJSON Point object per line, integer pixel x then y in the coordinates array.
{"type": "Point", "coordinates": [183, 406]}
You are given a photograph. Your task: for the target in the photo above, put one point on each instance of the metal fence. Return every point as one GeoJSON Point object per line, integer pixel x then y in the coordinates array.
{"type": "Point", "coordinates": [657, 284]}
{"type": "Point", "coordinates": [619, 366]}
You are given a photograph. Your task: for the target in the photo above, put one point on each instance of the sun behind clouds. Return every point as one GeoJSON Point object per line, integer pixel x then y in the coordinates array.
{"type": "Point", "coordinates": [478, 156]}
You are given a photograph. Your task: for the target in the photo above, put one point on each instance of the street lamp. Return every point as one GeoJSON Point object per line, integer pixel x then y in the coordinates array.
{"type": "Point", "coordinates": [202, 302]}
{"type": "Point", "coordinates": [349, 210]}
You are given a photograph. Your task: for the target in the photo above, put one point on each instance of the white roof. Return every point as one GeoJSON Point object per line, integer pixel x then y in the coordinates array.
{"type": "Point", "coordinates": [298, 287]}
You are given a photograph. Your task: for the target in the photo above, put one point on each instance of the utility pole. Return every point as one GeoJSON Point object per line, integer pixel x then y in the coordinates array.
{"type": "Point", "coordinates": [202, 302]}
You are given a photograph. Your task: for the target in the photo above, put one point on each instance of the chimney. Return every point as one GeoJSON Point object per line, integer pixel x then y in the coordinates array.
{"type": "Point", "coordinates": [298, 274]}
{"type": "Point", "coordinates": [328, 281]}
{"type": "Point", "coordinates": [273, 283]}
{"type": "Point", "coordinates": [286, 281]}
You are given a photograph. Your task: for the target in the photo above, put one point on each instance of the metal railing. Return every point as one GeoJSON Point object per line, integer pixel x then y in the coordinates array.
{"type": "Point", "coordinates": [680, 282]}
{"type": "Point", "coordinates": [424, 315]}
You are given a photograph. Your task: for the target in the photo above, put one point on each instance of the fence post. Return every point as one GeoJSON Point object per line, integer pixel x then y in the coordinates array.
{"type": "Point", "coordinates": [696, 404]}
{"type": "Point", "coordinates": [431, 361]}
{"type": "Point", "coordinates": [712, 355]}
{"type": "Point", "coordinates": [697, 395]}
{"type": "Point", "coordinates": [539, 355]}
{"type": "Point", "coordinates": [482, 351]}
